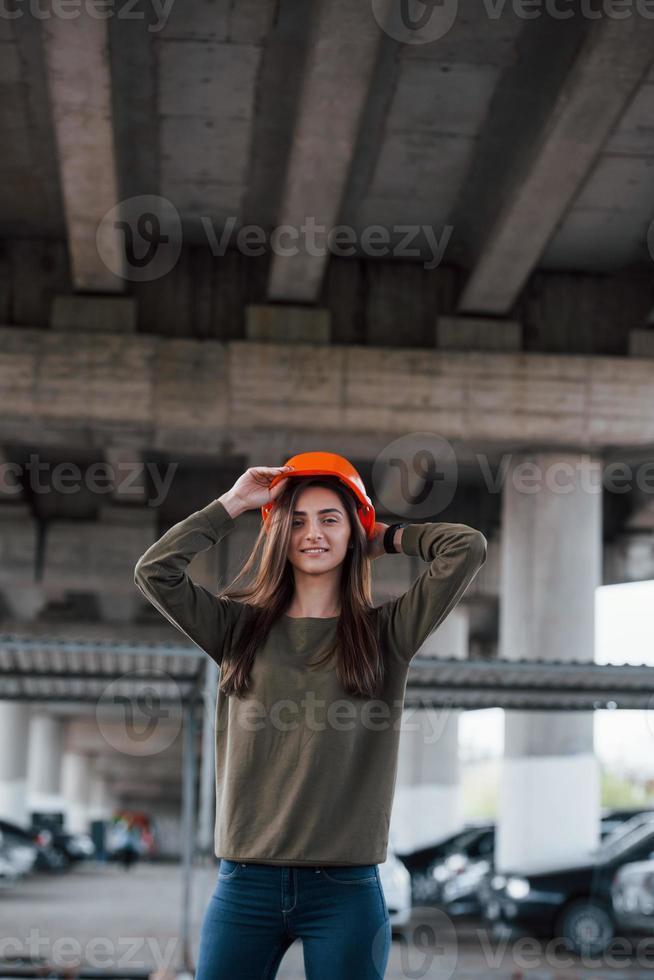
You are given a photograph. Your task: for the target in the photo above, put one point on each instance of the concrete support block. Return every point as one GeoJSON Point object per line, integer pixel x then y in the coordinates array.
{"type": "Point", "coordinates": [537, 796]}
{"type": "Point", "coordinates": [14, 737]}
{"type": "Point", "coordinates": [101, 800]}
{"type": "Point", "coordinates": [288, 324]}
{"type": "Point", "coordinates": [102, 314]}
{"type": "Point", "coordinates": [75, 789]}
{"type": "Point", "coordinates": [478, 333]}
{"type": "Point", "coordinates": [641, 343]}
{"type": "Point", "coordinates": [44, 763]}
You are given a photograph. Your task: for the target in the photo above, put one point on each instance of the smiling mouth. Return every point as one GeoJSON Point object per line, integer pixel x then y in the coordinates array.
{"type": "Point", "coordinates": [314, 551]}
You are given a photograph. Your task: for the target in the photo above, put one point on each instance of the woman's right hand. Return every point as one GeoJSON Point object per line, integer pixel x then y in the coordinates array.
{"type": "Point", "coordinates": [252, 489]}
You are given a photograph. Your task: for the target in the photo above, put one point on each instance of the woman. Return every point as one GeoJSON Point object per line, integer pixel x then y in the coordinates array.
{"type": "Point", "coordinates": [308, 710]}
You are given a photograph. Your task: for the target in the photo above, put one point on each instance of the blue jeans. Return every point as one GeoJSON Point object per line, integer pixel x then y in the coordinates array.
{"type": "Point", "coordinates": [257, 910]}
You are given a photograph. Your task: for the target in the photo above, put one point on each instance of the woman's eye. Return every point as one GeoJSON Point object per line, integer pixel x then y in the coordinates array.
{"type": "Point", "coordinates": [331, 520]}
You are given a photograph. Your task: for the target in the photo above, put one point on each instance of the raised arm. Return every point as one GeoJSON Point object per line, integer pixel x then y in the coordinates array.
{"type": "Point", "coordinates": [162, 576]}
{"type": "Point", "coordinates": [162, 572]}
{"type": "Point", "coordinates": [455, 553]}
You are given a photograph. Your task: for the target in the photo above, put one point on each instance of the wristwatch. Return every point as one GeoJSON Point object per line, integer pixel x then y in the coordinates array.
{"type": "Point", "coordinates": [389, 535]}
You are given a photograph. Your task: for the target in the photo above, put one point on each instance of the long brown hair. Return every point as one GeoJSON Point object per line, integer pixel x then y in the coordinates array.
{"type": "Point", "coordinates": [359, 665]}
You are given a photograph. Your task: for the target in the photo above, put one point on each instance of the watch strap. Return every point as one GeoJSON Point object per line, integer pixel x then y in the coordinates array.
{"type": "Point", "coordinates": [389, 535]}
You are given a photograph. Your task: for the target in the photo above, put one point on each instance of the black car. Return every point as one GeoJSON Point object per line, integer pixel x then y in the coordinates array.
{"type": "Point", "coordinates": [613, 818]}
{"type": "Point", "coordinates": [474, 841]}
{"type": "Point", "coordinates": [63, 849]}
{"type": "Point", "coordinates": [433, 868]}
{"type": "Point", "coordinates": [573, 903]}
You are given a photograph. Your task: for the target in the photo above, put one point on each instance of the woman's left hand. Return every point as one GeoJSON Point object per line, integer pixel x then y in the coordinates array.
{"type": "Point", "coordinates": [376, 542]}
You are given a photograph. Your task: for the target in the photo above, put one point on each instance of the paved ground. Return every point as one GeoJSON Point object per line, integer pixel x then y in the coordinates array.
{"type": "Point", "coordinates": [131, 921]}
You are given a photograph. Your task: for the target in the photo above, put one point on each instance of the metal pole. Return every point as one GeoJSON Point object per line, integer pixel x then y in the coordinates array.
{"type": "Point", "coordinates": [188, 830]}
{"type": "Point", "coordinates": [207, 788]}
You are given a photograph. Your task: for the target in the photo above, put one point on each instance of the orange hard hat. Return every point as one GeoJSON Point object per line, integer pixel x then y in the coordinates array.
{"type": "Point", "coordinates": [329, 464]}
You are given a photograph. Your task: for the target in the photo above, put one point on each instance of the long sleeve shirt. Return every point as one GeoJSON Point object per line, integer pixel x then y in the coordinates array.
{"type": "Point", "coordinates": [305, 774]}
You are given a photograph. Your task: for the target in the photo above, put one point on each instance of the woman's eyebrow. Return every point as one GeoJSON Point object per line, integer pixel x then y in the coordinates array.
{"type": "Point", "coordinates": [325, 510]}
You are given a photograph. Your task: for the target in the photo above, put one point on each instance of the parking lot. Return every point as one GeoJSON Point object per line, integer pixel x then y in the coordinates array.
{"type": "Point", "coordinates": [105, 918]}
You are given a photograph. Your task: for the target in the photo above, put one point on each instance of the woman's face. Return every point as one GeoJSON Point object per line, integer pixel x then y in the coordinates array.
{"type": "Point", "coordinates": [319, 521]}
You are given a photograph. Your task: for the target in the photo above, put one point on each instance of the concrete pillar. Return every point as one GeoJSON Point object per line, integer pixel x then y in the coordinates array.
{"type": "Point", "coordinates": [75, 787]}
{"type": "Point", "coordinates": [550, 568]}
{"type": "Point", "coordinates": [14, 733]}
{"type": "Point", "coordinates": [44, 764]}
{"type": "Point", "coordinates": [101, 801]}
{"type": "Point", "coordinates": [427, 806]}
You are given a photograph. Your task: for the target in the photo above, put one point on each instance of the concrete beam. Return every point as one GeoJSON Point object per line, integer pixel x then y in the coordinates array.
{"type": "Point", "coordinates": [209, 398]}
{"type": "Point", "coordinates": [79, 81]}
{"type": "Point", "coordinates": [573, 134]}
{"type": "Point", "coordinates": [343, 48]}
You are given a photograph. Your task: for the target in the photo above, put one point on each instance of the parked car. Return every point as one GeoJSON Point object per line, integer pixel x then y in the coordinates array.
{"type": "Point", "coordinates": [460, 896]}
{"type": "Point", "coordinates": [50, 857]}
{"type": "Point", "coordinates": [463, 872]}
{"type": "Point", "coordinates": [571, 902]}
{"type": "Point", "coordinates": [63, 848]}
{"type": "Point", "coordinates": [632, 897]}
{"type": "Point", "coordinates": [473, 854]}
{"type": "Point", "coordinates": [612, 819]}
{"type": "Point", "coordinates": [8, 870]}
{"type": "Point", "coordinates": [396, 885]}
{"type": "Point", "coordinates": [76, 847]}
{"type": "Point", "coordinates": [426, 880]}
{"type": "Point", "coordinates": [45, 849]}
{"type": "Point", "coordinates": [18, 848]}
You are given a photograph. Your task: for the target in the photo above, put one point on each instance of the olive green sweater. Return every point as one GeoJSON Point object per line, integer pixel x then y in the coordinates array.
{"type": "Point", "coordinates": [305, 774]}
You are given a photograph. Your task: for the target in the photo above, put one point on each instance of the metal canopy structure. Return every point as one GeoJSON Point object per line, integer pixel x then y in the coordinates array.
{"type": "Point", "coordinates": [536, 685]}
{"type": "Point", "coordinates": [47, 668]}
{"type": "Point", "coordinates": [51, 669]}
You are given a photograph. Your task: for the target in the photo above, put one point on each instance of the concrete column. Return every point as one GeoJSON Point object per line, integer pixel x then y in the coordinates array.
{"type": "Point", "coordinates": [44, 764]}
{"type": "Point", "coordinates": [101, 801]}
{"type": "Point", "coordinates": [550, 568]}
{"type": "Point", "coordinates": [75, 787]}
{"type": "Point", "coordinates": [14, 733]}
{"type": "Point", "coordinates": [427, 805]}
